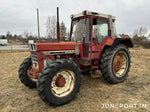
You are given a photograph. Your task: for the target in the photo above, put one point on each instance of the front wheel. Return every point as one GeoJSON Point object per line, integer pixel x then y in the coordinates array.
{"type": "Point", "coordinates": [59, 82]}
{"type": "Point", "coordinates": [23, 73]}
{"type": "Point", "coordinates": [115, 64]}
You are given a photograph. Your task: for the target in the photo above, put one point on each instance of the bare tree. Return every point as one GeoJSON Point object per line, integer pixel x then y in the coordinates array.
{"type": "Point", "coordinates": [51, 27]}
{"type": "Point", "coordinates": [9, 36]}
{"type": "Point", "coordinates": [141, 31]}
{"type": "Point", "coordinates": [26, 34]}
{"type": "Point", "coordinates": [29, 36]}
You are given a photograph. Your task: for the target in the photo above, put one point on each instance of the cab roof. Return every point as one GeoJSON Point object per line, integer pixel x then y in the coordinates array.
{"type": "Point", "coordinates": [86, 12]}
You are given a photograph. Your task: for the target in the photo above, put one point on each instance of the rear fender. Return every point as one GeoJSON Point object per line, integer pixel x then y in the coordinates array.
{"type": "Point", "coordinates": [125, 41]}
{"type": "Point", "coordinates": [112, 42]}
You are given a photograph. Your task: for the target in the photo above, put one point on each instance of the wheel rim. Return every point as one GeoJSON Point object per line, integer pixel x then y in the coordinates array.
{"type": "Point", "coordinates": [63, 83]}
{"type": "Point", "coordinates": [120, 64]}
{"type": "Point", "coordinates": [30, 75]}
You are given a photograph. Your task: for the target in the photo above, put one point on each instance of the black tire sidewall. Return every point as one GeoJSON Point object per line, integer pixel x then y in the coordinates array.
{"type": "Point", "coordinates": [23, 73]}
{"type": "Point", "coordinates": [50, 97]}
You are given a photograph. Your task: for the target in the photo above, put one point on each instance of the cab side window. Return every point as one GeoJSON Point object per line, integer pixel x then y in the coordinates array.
{"type": "Point", "coordinates": [100, 30]}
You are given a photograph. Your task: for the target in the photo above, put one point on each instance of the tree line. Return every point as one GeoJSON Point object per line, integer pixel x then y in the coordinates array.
{"type": "Point", "coordinates": [139, 38]}
{"type": "Point", "coordinates": [51, 31]}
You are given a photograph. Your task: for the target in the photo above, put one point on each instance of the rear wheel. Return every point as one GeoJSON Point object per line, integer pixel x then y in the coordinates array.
{"type": "Point", "coordinates": [23, 73]}
{"type": "Point", "coordinates": [59, 82]}
{"type": "Point", "coordinates": [115, 64]}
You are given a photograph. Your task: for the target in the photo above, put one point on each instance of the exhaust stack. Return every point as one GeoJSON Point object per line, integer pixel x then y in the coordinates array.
{"type": "Point", "coordinates": [58, 31]}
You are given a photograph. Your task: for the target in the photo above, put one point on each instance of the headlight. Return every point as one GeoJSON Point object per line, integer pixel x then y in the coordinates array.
{"type": "Point", "coordinates": [32, 47]}
{"type": "Point", "coordinates": [47, 62]}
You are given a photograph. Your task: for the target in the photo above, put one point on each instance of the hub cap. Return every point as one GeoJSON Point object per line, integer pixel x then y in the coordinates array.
{"type": "Point", "coordinates": [32, 73]}
{"type": "Point", "coordinates": [60, 81]}
{"type": "Point", "coordinates": [120, 64]}
{"type": "Point", "coordinates": [63, 83]}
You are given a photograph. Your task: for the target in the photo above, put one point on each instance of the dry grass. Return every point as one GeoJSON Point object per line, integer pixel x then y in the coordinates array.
{"type": "Point", "coordinates": [15, 97]}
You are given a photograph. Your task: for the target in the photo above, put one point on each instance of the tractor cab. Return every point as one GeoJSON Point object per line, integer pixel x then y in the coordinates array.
{"type": "Point", "coordinates": [92, 30]}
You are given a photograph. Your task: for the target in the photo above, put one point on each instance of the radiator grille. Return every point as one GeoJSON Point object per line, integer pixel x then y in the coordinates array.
{"type": "Point", "coordinates": [34, 58]}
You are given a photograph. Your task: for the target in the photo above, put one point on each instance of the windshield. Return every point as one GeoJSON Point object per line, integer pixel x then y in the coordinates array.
{"type": "Point", "coordinates": [80, 30]}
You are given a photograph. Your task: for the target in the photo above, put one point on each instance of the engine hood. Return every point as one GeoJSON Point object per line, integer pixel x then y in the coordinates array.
{"type": "Point", "coordinates": [56, 46]}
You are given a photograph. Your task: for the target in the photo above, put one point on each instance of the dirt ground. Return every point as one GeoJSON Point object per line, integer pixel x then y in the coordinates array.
{"type": "Point", "coordinates": [133, 95]}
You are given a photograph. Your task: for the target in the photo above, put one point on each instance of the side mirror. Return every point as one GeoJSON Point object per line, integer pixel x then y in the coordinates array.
{"type": "Point", "coordinates": [109, 32]}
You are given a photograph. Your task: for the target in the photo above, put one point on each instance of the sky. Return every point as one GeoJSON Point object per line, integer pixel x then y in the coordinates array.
{"type": "Point", "coordinates": [18, 16]}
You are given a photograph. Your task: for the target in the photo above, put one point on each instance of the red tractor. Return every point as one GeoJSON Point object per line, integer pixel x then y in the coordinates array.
{"type": "Point", "coordinates": [55, 68]}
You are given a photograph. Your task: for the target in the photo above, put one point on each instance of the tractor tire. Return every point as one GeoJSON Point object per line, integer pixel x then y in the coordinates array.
{"type": "Point", "coordinates": [26, 64]}
{"type": "Point", "coordinates": [59, 82]}
{"type": "Point", "coordinates": [115, 64]}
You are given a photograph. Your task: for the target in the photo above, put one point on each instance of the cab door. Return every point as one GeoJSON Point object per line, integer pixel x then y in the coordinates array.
{"type": "Point", "coordinates": [85, 37]}
{"type": "Point", "coordinates": [99, 33]}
